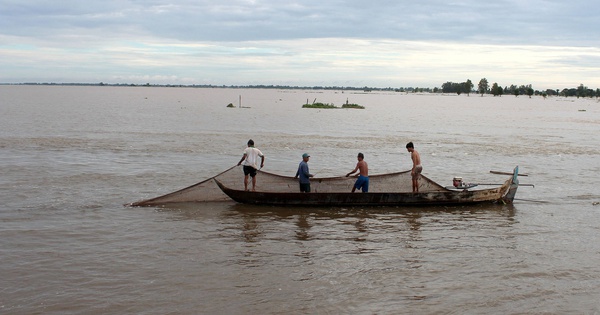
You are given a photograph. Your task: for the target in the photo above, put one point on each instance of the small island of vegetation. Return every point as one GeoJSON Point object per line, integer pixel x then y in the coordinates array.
{"type": "Point", "coordinates": [356, 106]}
{"type": "Point", "coordinates": [316, 104]}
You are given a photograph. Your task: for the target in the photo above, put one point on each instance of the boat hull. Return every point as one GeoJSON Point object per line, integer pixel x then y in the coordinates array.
{"type": "Point", "coordinates": [449, 197]}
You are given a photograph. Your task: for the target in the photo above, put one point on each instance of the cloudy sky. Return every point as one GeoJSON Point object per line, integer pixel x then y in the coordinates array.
{"type": "Point", "coordinates": [379, 43]}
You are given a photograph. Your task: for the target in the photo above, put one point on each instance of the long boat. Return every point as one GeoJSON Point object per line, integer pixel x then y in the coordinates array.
{"type": "Point", "coordinates": [386, 190]}
{"type": "Point", "coordinates": [393, 189]}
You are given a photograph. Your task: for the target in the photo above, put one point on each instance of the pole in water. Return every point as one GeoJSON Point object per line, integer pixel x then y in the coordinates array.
{"type": "Point", "coordinates": [505, 173]}
{"type": "Point", "coordinates": [240, 102]}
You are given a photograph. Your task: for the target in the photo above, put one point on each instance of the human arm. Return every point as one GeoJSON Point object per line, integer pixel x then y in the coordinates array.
{"type": "Point", "coordinates": [355, 169]}
{"type": "Point", "coordinates": [303, 170]}
{"type": "Point", "coordinates": [262, 161]}
{"type": "Point", "coordinates": [242, 160]}
{"type": "Point", "coordinates": [306, 172]}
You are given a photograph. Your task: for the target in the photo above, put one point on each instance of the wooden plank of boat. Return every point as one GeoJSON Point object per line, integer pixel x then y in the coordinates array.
{"type": "Point", "coordinates": [332, 198]}
{"type": "Point", "coordinates": [364, 199]}
{"type": "Point", "coordinates": [450, 197]}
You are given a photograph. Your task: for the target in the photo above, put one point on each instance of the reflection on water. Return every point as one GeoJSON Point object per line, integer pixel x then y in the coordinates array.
{"type": "Point", "coordinates": [361, 224]}
{"type": "Point", "coordinates": [250, 229]}
{"type": "Point", "coordinates": [345, 249]}
{"type": "Point", "coordinates": [303, 225]}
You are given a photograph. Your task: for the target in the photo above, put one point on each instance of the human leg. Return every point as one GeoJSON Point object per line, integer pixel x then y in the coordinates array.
{"type": "Point", "coordinates": [304, 187]}
{"type": "Point", "coordinates": [247, 171]}
{"type": "Point", "coordinates": [362, 183]}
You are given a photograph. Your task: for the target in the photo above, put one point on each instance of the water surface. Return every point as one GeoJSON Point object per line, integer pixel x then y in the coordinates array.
{"type": "Point", "coordinates": [70, 157]}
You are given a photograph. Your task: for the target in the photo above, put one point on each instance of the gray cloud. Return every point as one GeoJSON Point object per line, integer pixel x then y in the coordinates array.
{"type": "Point", "coordinates": [252, 41]}
{"type": "Point", "coordinates": [505, 21]}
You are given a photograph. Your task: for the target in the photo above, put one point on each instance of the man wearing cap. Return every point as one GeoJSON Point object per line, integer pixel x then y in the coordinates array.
{"type": "Point", "coordinates": [304, 174]}
{"type": "Point", "coordinates": [250, 159]}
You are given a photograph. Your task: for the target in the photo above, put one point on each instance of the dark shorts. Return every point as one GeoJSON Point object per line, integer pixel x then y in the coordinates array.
{"type": "Point", "coordinates": [249, 170]}
{"type": "Point", "coordinates": [304, 187]}
{"type": "Point", "coordinates": [362, 182]}
{"type": "Point", "coordinates": [417, 172]}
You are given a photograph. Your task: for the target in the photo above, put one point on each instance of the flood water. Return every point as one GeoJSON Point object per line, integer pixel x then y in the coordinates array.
{"type": "Point", "coordinates": [71, 157]}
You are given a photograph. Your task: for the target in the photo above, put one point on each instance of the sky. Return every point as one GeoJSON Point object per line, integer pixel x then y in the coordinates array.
{"type": "Point", "coordinates": [550, 44]}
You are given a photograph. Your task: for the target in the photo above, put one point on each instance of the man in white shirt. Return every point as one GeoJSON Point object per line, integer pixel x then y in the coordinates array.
{"type": "Point", "coordinates": [250, 159]}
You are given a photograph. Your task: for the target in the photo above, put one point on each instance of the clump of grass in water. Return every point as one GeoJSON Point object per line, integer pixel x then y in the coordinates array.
{"type": "Point", "coordinates": [353, 106]}
{"type": "Point", "coordinates": [318, 105]}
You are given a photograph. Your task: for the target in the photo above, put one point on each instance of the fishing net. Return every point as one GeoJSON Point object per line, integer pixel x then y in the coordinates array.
{"type": "Point", "coordinates": [204, 191]}
{"type": "Point", "coordinates": [207, 190]}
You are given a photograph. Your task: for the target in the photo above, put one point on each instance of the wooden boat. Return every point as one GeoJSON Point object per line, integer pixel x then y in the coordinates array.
{"type": "Point", "coordinates": [394, 189]}
{"type": "Point", "coordinates": [385, 190]}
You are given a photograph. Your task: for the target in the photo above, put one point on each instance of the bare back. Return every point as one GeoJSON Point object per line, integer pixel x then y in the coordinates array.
{"type": "Point", "coordinates": [363, 168]}
{"type": "Point", "coordinates": [416, 158]}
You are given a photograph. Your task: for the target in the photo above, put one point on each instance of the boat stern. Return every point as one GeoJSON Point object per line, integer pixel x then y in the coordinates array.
{"type": "Point", "coordinates": [512, 187]}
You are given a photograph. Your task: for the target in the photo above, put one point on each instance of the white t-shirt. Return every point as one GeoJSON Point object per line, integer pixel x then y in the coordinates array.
{"type": "Point", "coordinates": [252, 154]}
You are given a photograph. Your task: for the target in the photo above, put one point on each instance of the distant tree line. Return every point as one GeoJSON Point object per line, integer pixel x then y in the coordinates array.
{"type": "Point", "coordinates": [467, 87]}
{"type": "Point", "coordinates": [496, 90]}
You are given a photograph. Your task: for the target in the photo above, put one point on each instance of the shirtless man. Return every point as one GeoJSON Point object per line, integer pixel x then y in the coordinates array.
{"type": "Point", "coordinates": [362, 182]}
{"type": "Point", "coordinates": [417, 167]}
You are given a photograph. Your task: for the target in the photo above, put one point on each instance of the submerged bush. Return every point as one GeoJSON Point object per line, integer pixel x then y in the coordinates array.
{"type": "Point", "coordinates": [353, 106]}
{"type": "Point", "coordinates": [327, 105]}
{"type": "Point", "coordinates": [318, 105]}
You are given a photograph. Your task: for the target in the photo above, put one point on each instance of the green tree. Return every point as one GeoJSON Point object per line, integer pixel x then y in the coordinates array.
{"type": "Point", "coordinates": [581, 91]}
{"type": "Point", "coordinates": [496, 90]}
{"type": "Point", "coordinates": [482, 87]}
{"type": "Point", "coordinates": [452, 87]}
{"type": "Point", "coordinates": [458, 87]}
{"type": "Point", "coordinates": [447, 87]}
{"type": "Point", "coordinates": [529, 91]}
{"type": "Point", "coordinates": [468, 86]}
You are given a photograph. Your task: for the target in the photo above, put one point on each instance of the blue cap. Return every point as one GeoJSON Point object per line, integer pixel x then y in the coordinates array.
{"type": "Point", "coordinates": [305, 155]}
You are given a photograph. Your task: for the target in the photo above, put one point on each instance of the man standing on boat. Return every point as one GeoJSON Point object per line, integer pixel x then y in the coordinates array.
{"type": "Point", "coordinates": [417, 167]}
{"type": "Point", "coordinates": [304, 174]}
{"type": "Point", "coordinates": [362, 182]}
{"type": "Point", "coordinates": [250, 159]}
